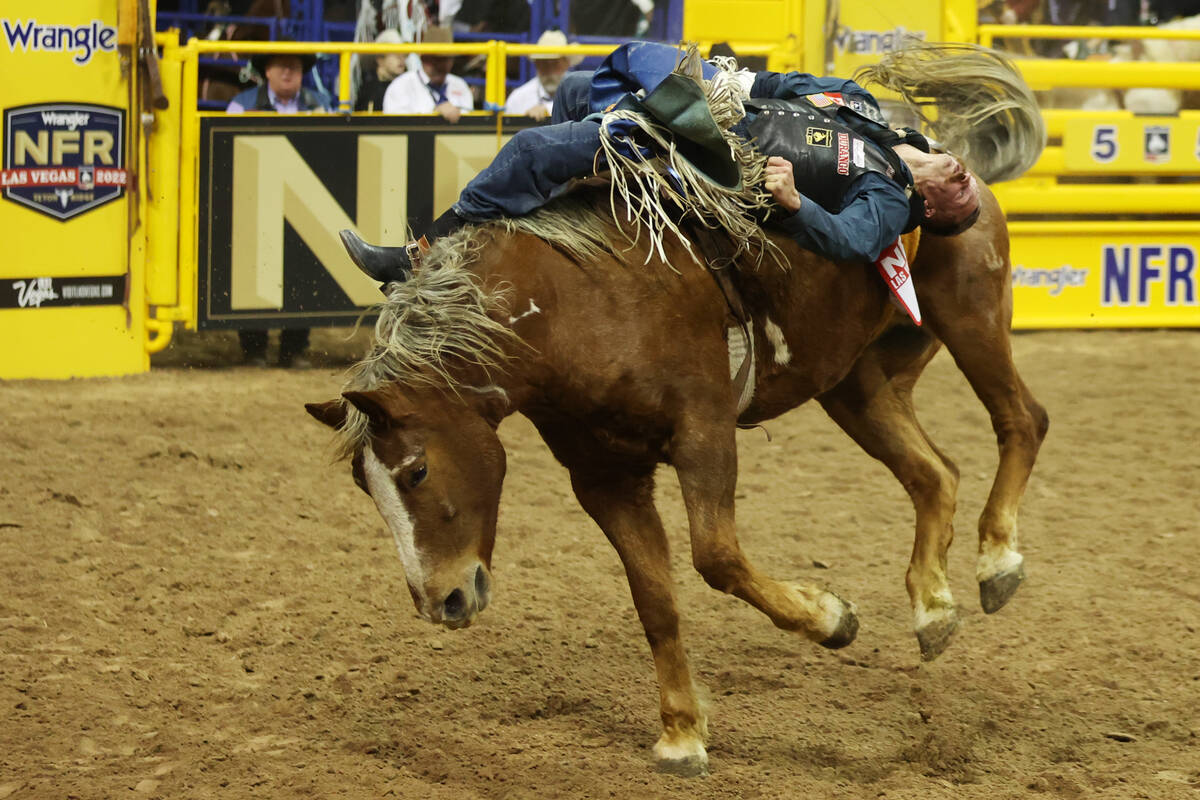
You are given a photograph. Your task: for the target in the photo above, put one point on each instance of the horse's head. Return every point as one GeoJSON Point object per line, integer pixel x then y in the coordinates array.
{"type": "Point", "coordinates": [434, 465]}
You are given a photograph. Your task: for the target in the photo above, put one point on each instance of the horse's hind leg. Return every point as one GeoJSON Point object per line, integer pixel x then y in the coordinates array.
{"type": "Point", "coordinates": [873, 404]}
{"type": "Point", "coordinates": [622, 504]}
{"type": "Point", "coordinates": [704, 454]}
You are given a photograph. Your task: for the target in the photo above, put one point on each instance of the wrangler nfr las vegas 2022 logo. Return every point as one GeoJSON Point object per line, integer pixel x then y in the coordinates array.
{"type": "Point", "coordinates": [63, 159]}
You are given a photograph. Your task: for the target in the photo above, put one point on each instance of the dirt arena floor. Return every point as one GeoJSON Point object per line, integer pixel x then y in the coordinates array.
{"type": "Point", "coordinates": [195, 603]}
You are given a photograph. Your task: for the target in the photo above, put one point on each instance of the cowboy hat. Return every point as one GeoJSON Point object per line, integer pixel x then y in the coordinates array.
{"type": "Point", "coordinates": [437, 34]}
{"type": "Point", "coordinates": [260, 61]}
{"type": "Point", "coordinates": [554, 38]}
{"type": "Point", "coordinates": [679, 105]}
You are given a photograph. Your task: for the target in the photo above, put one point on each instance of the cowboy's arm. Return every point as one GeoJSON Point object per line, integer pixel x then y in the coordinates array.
{"type": "Point", "coordinates": [871, 217]}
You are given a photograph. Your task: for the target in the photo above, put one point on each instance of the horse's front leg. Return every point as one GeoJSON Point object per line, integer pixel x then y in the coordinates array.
{"type": "Point", "coordinates": [622, 503]}
{"type": "Point", "coordinates": [704, 454]}
{"type": "Point", "coordinates": [873, 404]}
{"type": "Point", "coordinates": [973, 319]}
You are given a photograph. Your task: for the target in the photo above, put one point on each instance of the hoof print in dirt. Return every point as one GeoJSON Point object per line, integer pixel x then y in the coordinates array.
{"type": "Point", "coordinates": [999, 589]}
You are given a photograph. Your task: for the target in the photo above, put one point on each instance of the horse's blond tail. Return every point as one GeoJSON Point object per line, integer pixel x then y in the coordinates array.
{"type": "Point", "coordinates": [985, 112]}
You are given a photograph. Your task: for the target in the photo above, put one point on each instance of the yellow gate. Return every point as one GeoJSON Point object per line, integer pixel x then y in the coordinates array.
{"type": "Point", "coordinates": [73, 188]}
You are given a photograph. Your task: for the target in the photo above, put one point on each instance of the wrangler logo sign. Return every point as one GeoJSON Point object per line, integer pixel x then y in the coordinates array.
{"type": "Point", "coordinates": [63, 159]}
{"type": "Point", "coordinates": [82, 41]}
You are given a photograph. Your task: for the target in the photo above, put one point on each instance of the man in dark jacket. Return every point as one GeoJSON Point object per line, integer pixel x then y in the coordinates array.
{"type": "Point", "coordinates": [281, 91]}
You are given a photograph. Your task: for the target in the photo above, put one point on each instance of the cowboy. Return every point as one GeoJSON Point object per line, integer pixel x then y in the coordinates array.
{"type": "Point", "coordinates": [860, 185]}
{"type": "Point", "coordinates": [535, 98]}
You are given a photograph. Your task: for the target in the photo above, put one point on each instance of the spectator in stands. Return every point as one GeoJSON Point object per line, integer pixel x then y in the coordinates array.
{"type": "Point", "coordinates": [431, 89]}
{"type": "Point", "coordinates": [281, 91]}
{"type": "Point", "coordinates": [535, 98]}
{"type": "Point", "coordinates": [388, 67]}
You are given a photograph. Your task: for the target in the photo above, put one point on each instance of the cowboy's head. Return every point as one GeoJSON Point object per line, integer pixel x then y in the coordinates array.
{"type": "Point", "coordinates": [951, 195]}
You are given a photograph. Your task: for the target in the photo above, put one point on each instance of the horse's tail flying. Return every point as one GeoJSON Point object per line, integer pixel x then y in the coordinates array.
{"type": "Point", "coordinates": [985, 112]}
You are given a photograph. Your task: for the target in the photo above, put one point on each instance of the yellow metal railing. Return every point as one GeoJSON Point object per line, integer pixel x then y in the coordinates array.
{"type": "Point", "coordinates": [172, 246]}
{"type": "Point", "coordinates": [1044, 74]}
{"type": "Point", "coordinates": [496, 52]}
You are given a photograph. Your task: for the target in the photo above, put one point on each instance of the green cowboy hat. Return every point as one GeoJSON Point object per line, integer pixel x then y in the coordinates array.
{"type": "Point", "coordinates": [679, 104]}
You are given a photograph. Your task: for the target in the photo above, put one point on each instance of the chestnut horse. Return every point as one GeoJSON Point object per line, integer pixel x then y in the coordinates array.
{"type": "Point", "coordinates": [622, 363]}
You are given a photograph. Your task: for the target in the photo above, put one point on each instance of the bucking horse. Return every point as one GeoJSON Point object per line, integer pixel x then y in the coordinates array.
{"type": "Point", "coordinates": [618, 349]}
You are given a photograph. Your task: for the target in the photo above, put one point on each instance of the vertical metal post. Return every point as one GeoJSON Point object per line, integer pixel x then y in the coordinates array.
{"type": "Point", "coordinates": [344, 81]}
{"type": "Point", "coordinates": [189, 138]}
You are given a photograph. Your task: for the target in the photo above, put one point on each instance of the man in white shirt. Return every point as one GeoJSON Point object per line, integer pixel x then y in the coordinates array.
{"type": "Point", "coordinates": [535, 98]}
{"type": "Point", "coordinates": [430, 89]}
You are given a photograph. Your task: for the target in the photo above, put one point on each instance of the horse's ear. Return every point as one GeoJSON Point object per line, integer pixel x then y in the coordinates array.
{"type": "Point", "coordinates": [373, 405]}
{"type": "Point", "coordinates": [331, 412]}
{"type": "Point", "coordinates": [493, 409]}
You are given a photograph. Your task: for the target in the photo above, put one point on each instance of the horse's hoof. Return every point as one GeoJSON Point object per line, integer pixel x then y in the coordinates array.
{"type": "Point", "coordinates": [685, 756]}
{"type": "Point", "coordinates": [686, 767]}
{"type": "Point", "coordinates": [935, 636]}
{"type": "Point", "coordinates": [998, 589]}
{"type": "Point", "coordinates": [846, 630]}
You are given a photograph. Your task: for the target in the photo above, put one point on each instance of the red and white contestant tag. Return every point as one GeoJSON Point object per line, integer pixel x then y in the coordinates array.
{"type": "Point", "coordinates": [893, 266]}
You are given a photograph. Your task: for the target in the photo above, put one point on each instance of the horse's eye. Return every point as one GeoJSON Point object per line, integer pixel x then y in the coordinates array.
{"type": "Point", "coordinates": [417, 476]}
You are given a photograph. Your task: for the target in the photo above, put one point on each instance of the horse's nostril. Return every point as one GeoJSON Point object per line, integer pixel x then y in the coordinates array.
{"type": "Point", "coordinates": [481, 582]}
{"type": "Point", "coordinates": [455, 605]}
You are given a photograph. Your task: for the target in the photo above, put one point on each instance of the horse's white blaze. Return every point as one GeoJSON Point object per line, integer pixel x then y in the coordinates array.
{"type": "Point", "coordinates": [533, 309]}
{"type": "Point", "coordinates": [995, 561]}
{"type": "Point", "coordinates": [382, 488]}
{"type": "Point", "coordinates": [783, 354]}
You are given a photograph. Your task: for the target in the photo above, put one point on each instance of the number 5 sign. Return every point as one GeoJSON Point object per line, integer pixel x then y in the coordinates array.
{"type": "Point", "coordinates": [1134, 145]}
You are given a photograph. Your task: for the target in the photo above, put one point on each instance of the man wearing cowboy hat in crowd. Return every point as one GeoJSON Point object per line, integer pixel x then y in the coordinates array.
{"type": "Point", "coordinates": [281, 91]}
{"type": "Point", "coordinates": [430, 89]}
{"type": "Point", "coordinates": [535, 98]}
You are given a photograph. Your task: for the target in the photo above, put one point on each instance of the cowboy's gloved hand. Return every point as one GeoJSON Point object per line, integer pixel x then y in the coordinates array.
{"type": "Point", "coordinates": [781, 184]}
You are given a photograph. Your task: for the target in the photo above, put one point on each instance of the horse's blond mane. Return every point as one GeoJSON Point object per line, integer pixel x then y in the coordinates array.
{"type": "Point", "coordinates": [444, 318]}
